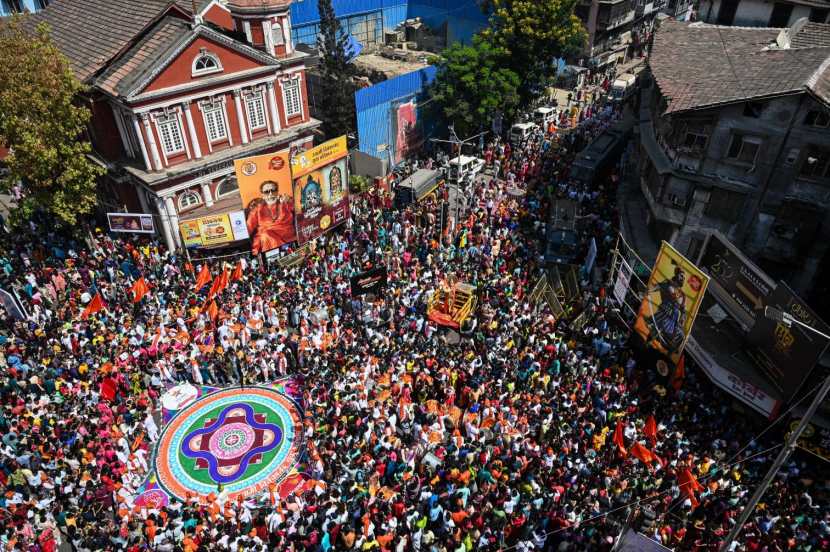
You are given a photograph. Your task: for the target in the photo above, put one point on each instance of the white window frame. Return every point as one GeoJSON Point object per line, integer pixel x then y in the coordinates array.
{"type": "Point", "coordinates": [229, 178]}
{"type": "Point", "coordinates": [204, 54]}
{"type": "Point", "coordinates": [286, 85]}
{"type": "Point", "coordinates": [250, 101]}
{"type": "Point", "coordinates": [190, 193]}
{"type": "Point", "coordinates": [172, 122]}
{"type": "Point", "coordinates": [277, 32]}
{"type": "Point", "coordinates": [215, 110]}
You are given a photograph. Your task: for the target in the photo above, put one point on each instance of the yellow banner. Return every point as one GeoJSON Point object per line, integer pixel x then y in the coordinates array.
{"type": "Point", "coordinates": [667, 313]}
{"type": "Point", "coordinates": [190, 232]}
{"type": "Point", "coordinates": [216, 229]}
{"type": "Point", "coordinates": [307, 161]}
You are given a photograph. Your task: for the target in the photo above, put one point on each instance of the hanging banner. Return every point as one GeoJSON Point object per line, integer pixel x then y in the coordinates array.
{"type": "Point", "coordinates": [131, 222]}
{"type": "Point", "coordinates": [321, 191]}
{"type": "Point", "coordinates": [622, 282]}
{"type": "Point", "coordinates": [238, 225]}
{"type": "Point", "coordinates": [215, 229]}
{"type": "Point", "coordinates": [267, 197]}
{"type": "Point", "coordinates": [667, 313]}
{"type": "Point", "coordinates": [13, 305]}
{"type": "Point", "coordinates": [191, 234]}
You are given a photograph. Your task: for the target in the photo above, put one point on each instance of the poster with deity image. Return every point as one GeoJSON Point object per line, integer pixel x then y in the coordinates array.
{"type": "Point", "coordinates": [321, 190]}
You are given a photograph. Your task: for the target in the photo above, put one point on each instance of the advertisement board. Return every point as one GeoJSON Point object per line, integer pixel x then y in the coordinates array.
{"type": "Point", "coordinates": [742, 287]}
{"type": "Point", "coordinates": [407, 135]}
{"type": "Point", "coordinates": [214, 229]}
{"type": "Point", "coordinates": [622, 282]}
{"type": "Point", "coordinates": [787, 355]}
{"type": "Point", "coordinates": [670, 304]}
{"type": "Point", "coordinates": [267, 199]}
{"type": "Point", "coordinates": [321, 190]}
{"type": "Point", "coordinates": [131, 222]}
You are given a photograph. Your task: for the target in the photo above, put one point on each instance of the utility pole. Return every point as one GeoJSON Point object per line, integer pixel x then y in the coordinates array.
{"type": "Point", "coordinates": [792, 440]}
{"type": "Point", "coordinates": [454, 142]}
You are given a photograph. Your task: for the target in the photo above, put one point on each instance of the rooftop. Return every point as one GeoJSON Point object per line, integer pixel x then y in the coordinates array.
{"type": "Point", "coordinates": [698, 66]}
{"type": "Point", "coordinates": [389, 66]}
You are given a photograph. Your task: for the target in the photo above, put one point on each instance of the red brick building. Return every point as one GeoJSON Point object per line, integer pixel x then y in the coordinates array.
{"type": "Point", "coordinates": [177, 96]}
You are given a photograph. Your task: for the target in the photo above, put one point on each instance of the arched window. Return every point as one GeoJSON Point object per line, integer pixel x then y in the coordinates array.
{"type": "Point", "coordinates": [276, 34]}
{"type": "Point", "coordinates": [206, 63]}
{"type": "Point", "coordinates": [189, 199]}
{"type": "Point", "coordinates": [228, 186]}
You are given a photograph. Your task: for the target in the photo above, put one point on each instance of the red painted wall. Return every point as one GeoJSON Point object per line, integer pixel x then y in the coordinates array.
{"type": "Point", "coordinates": [105, 136]}
{"type": "Point", "coordinates": [179, 72]}
{"type": "Point", "coordinates": [219, 16]}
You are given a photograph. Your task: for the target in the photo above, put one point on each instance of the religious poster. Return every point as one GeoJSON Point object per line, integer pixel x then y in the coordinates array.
{"type": "Point", "coordinates": [407, 135]}
{"type": "Point", "coordinates": [267, 198]}
{"type": "Point", "coordinates": [667, 313]}
{"type": "Point", "coordinates": [321, 188]}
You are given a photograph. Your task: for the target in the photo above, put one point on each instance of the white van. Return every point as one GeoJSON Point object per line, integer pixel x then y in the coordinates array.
{"type": "Point", "coordinates": [623, 87]}
{"type": "Point", "coordinates": [520, 132]}
{"type": "Point", "coordinates": [465, 166]}
{"type": "Point", "coordinates": [544, 116]}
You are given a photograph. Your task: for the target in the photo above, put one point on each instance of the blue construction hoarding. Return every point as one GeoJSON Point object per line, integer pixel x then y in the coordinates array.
{"type": "Point", "coordinates": [390, 116]}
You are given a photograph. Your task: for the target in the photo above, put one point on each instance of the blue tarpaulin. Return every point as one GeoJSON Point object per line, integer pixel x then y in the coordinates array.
{"type": "Point", "coordinates": [353, 48]}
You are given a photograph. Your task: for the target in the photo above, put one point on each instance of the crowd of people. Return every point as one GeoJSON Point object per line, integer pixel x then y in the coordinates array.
{"type": "Point", "coordinates": [522, 435]}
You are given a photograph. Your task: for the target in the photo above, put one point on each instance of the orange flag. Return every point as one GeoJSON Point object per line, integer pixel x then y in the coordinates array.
{"type": "Point", "coordinates": [237, 272]}
{"type": "Point", "coordinates": [688, 486]}
{"type": "Point", "coordinates": [139, 289]}
{"type": "Point", "coordinates": [215, 287]}
{"type": "Point", "coordinates": [203, 278]}
{"type": "Point", "coordinates": [94, 306]}
{"type": "Point", "coordinates": [618, 438]}
{"type": "Point", "coordinates": [650, 430]}
{"type": "Point", "coordinates": [224, 279]}
{"type": "Point", "coordinates": [679, 373]}
{"type": "Point", "coordinates": [644, 455]}
{"type": "Point", "coordinates": [213, 310]}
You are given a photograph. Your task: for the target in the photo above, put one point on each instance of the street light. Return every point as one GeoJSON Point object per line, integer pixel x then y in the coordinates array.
{"type": "Point", "coordinates": [792, 439]}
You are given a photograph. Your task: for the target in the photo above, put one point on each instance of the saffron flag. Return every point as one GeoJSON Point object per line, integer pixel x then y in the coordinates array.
{"type": "Point", "coordinates": [139, 289]}
{"type": "Point", "coordinates": [618, 438]}
{"type": "Point", "coordinates": [650, 430]}
{"type": "Point", "coordinates": [94, 306]}
{"type": "Point", "coordinates": [224, 279]}
{"type": "Point", "coordinates": [203, 278]}
{"type": "Point", "coordinates": [108, 389]}
{"type": "Point", "coordinates": [237, 272]}
{"type": "Point", "coordinates": [644, 455]}
{"type": "Point", "coordinates": [212, 310]}
{"type": "Point", "coordinates": [215, 287]}
{"type": "Point", "coordinates": [688, 485]}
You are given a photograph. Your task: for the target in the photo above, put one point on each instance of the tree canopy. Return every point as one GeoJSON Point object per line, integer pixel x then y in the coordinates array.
{"type": "Point", "coordinates": [42, 124]}
{"type": "Point", "coordinates": [337, 88]}
{"type": "Point", "coordinates": [534, 33]}
{"type": "Point", "coordinates": [473, 85]}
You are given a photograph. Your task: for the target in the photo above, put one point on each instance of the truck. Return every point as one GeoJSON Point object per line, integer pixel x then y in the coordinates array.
{"type": "Point", "coordinates": [416, 187]}
{"type": "Point", "coordinates": [598, 159]}
{"type": "Point", "coordinates": [562, 240]}
{"type": "Point", "coordinates": [623, 87]}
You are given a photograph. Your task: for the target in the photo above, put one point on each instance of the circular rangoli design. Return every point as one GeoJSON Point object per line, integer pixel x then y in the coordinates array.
{"type": "Point", "coordinates": [243, 440]}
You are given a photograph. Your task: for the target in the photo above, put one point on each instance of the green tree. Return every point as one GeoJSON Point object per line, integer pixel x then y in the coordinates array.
{"type": "Point", "coordinates": [534, 33]}
{"type": "Point", "coordinates": [338, 88]}
{"type": "Point", "coordinates": [472, 85]}
{"type": "Point", "coordinates": [42, 124]}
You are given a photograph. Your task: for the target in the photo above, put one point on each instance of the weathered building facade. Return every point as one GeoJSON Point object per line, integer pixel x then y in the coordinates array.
{"type": "Point", "coordinates": [735, 137]}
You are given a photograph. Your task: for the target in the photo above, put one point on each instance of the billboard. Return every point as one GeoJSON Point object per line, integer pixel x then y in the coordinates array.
{"type": "Point", "coordinates": [407, 134]}
{"type": "Point", "coordinates": [370, 281]}
{"type": "Point", "coordinates": [670, 304]}
{"type": "Point", "coordinates": [321, 188]}
{"type": "Point", "coordinates": [741, 285]}
{"type": "Point", "coordinates": [787, 355]}
{"type": "Point", "coordinates": [214, 229]}
{"type": "Point", "coordinates": [131, 222]}
{"type": "Point", "coordinates": [267, 198]}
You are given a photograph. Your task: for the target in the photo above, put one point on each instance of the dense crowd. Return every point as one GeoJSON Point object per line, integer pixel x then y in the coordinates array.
{"type": "Point", "coordinates": [503, 439]}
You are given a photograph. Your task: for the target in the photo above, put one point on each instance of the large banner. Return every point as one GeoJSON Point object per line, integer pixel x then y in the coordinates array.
{"type": "Point", "coordinates": [214, 229]}
{"type": "Point", "coordinates": [267, 197]}
{"type": "Point", "coordinates": [321, 188]}
{"type": "Point", "coordinates": [131, 222]}
{"type": "Point", "coordinates": [371, 281]}
{"type": "Point", "coordinates": [667, 313]}
{"type": "Point", "coordinates": [407, 135]}
{"type": "Point", "coordinates": [787, 355]}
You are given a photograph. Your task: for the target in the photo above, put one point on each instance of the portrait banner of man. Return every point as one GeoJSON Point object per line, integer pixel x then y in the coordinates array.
{"type": "Point", "coordinates": [667, 313]}
{"type": "Point", "coordinates": [267, 200]}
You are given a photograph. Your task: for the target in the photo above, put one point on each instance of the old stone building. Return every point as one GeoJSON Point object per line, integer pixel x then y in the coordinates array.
{"type": "Point", "coordinates": [735, 136]}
